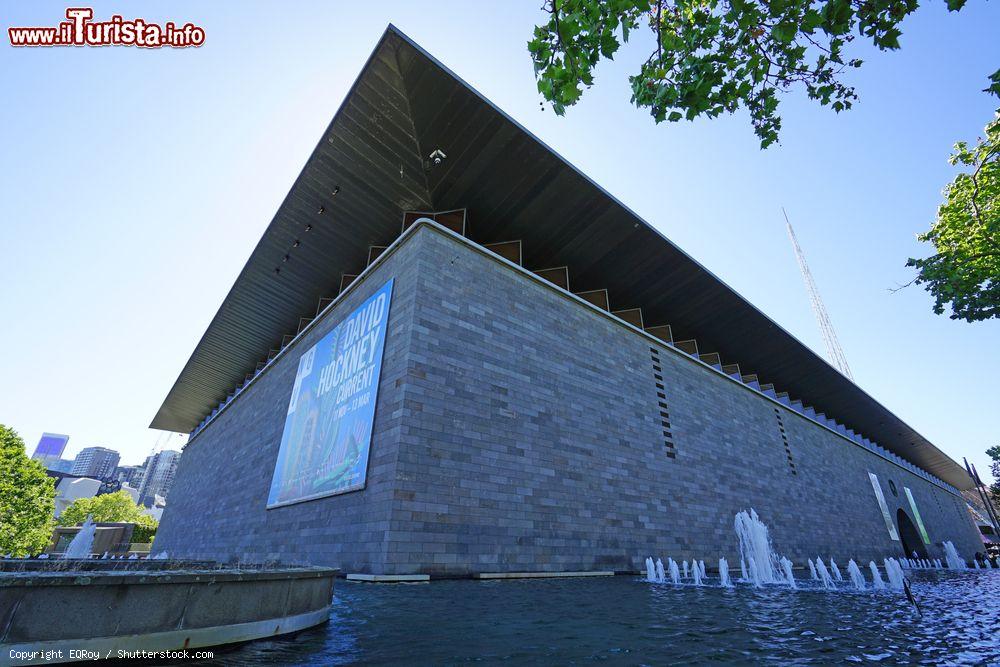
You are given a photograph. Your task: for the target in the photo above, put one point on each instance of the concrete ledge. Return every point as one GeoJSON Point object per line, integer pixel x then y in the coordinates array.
{"type": "Point", "coordinates": [541, 575]}
{"type": "Point", "coordinates": [105, 611]}
{"type": "Point", "coordinates": [388, 578]}
{"type": "Point", "coordinates": [39, 653]}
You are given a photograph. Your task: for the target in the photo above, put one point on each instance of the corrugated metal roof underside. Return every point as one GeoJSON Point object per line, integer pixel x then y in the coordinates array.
{"type": "Point", "coordinates": [403, 106]}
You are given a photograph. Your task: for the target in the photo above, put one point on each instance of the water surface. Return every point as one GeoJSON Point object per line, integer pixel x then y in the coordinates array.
{"type": "Point", "coordinates": [624, 620]}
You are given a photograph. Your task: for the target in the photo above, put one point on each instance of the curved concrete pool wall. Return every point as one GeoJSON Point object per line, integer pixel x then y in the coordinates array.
{"type": "Point", "coordinates": [111, 611]}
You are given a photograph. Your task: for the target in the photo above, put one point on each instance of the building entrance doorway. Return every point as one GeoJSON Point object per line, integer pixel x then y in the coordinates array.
{"type": "Point", "coordinates": [909, 537]}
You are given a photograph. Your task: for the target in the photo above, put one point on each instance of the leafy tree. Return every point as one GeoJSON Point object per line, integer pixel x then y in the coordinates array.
{"type": "Point", "coordinates": [111, 507]}
{"type": "Point", "coordinates": [715, 56]}
{"type": "Point", "coordinates": [994, 453]}
{"type": "Point", "coordinates": [964, 272]}
{"type": "Point", "coordinates": [145, 529]}
{"type": "Point", "coordinates": [27, 499]}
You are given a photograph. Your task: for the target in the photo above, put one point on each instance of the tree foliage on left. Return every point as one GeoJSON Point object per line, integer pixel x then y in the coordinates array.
{"type": "Point", "coordinates": [27, 499]}
{"type": "Point", "coordinates": [111, 507]}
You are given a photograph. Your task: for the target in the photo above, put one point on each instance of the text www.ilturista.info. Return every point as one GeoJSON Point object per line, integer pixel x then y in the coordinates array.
{"type": "Point", "coordinates": [80, 30]}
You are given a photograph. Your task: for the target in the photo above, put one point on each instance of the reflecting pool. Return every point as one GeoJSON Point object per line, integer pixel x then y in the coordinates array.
{"type": "Point", "coordinates": [626, 620]}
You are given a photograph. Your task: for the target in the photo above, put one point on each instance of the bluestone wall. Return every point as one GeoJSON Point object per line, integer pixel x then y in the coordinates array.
{"type": "Point", "coordinates": [518, 429]}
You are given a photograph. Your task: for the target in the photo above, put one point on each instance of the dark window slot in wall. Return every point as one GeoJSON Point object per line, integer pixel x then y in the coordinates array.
{"type": "Point", "coordinates": [668, 437]}
{"type": "Point", "coordinates": [784, 440]}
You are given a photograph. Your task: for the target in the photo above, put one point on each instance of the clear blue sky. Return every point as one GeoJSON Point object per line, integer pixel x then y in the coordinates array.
{"type": "Point", "coordinates": [135, 183]}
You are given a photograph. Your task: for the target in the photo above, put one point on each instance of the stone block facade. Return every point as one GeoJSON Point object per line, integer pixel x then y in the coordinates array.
{"type": "Point", "coordinates": [519, 429]}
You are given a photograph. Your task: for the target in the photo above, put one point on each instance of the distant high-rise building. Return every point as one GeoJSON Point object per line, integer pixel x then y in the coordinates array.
{"type": "Point", "coordinates": [59, 465]}
{"type": "Point", "coordinates": [96, 462]}
{"type": "Point", "coordinates": [159, 476]}
{"type": "Point", "coordinates": [131, 475]}
{"type": "Point", "coordinates": [50, 448]}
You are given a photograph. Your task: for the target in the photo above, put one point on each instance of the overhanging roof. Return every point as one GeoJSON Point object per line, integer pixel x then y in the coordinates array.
{"type": "Point", "coordinates": [370, 166]}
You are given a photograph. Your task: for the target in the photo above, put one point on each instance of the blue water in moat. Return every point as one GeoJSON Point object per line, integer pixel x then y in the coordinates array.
{"type": "Point", "coordinates": [625, 620]}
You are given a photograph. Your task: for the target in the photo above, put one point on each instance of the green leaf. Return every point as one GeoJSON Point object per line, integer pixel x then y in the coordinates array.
{"type": "Point", "coordinates": [784, 32]}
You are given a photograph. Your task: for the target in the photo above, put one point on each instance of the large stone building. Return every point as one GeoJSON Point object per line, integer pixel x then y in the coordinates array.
{"type": "Point", "coordinates": [530, 379]}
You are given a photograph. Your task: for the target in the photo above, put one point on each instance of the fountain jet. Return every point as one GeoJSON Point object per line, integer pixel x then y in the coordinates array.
{"type": "Point", "coordinates": [836, 570]}
{"type": "Point", "coordinates": [877, 582]}
{"type": "Point", "coordinates": [724, 574]}
{"type": "Point", "coordinates": [894, 572]}
{"type": "Point", "coordinates": [824, 574]}
{"type": "Point", "coordinates": [756, 550]}
{"type": "Point", "coordinates": [83, 541]}
{"type": "Point", "coordinates": [675, 574]}
{"type": "Point", "coordinates": [786, 566]}
{"type": "Point", "coordinates": [955, 562]}
{"type": "Point", "coordinates": [854, 573]}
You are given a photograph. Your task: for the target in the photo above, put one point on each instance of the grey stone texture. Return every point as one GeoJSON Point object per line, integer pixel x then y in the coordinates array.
{"type": "Point", "coordinates": [518, 429]}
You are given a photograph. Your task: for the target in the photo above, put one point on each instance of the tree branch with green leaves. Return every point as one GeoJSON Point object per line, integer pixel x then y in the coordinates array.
{"type": "Point", "coordinates": [711, 57]}
{"type": "Point", "coordinates": [715, 56]}
{"type": "Point", "coordinates": [963, 274]}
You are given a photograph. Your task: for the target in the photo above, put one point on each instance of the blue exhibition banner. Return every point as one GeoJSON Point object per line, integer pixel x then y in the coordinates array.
{"type": "Point", "coordinates": [328, 427]}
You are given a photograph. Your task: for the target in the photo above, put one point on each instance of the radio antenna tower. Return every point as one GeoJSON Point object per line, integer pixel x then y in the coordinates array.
{"type": "Point", "coordinates": [833, 350]}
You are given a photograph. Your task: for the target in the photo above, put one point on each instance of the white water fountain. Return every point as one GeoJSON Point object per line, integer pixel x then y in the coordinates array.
{"type": "Point", "coordinates": [650, 570]}
{"type": "Point", "coordinates": [836, 570]}
{"type": "Point", "coordinates": [696, 573]}
{"type": "Point", "coordinates": [854, 573]}
{"type": "Point", "coordinates": [786, 567]}
{"type": "Point", "coordinates": [83, 541]}
{"type": "Point", "coordinates": [975, 563]}
{"type": "Point", "coordinates": [877, 582]}
{"type": "Point", "coordinates": [812, 570]}
{"type": "Point", "coordinates": [894, 572]}
{"type": "Point", "coordinates": [989, 566]}
{"type": "Point", "coordinates": [675, 573]}
{"type": "Point", "coordinates": [685, 570]}
{"type": "Point", "coordinates": [743, 570]}
{"type": "Point", "coordinates": [660, 575]}
{"type": "Point", "coordinates": [704, 574]}
{"type": "Point", "coordinates": [955, 562]}
{"type": "Point", "coordinates": [755, 549]}
{"type": "Point", "coordinates": [824, 574]}
{"type": "Point", "coordinates": [724, 574]}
